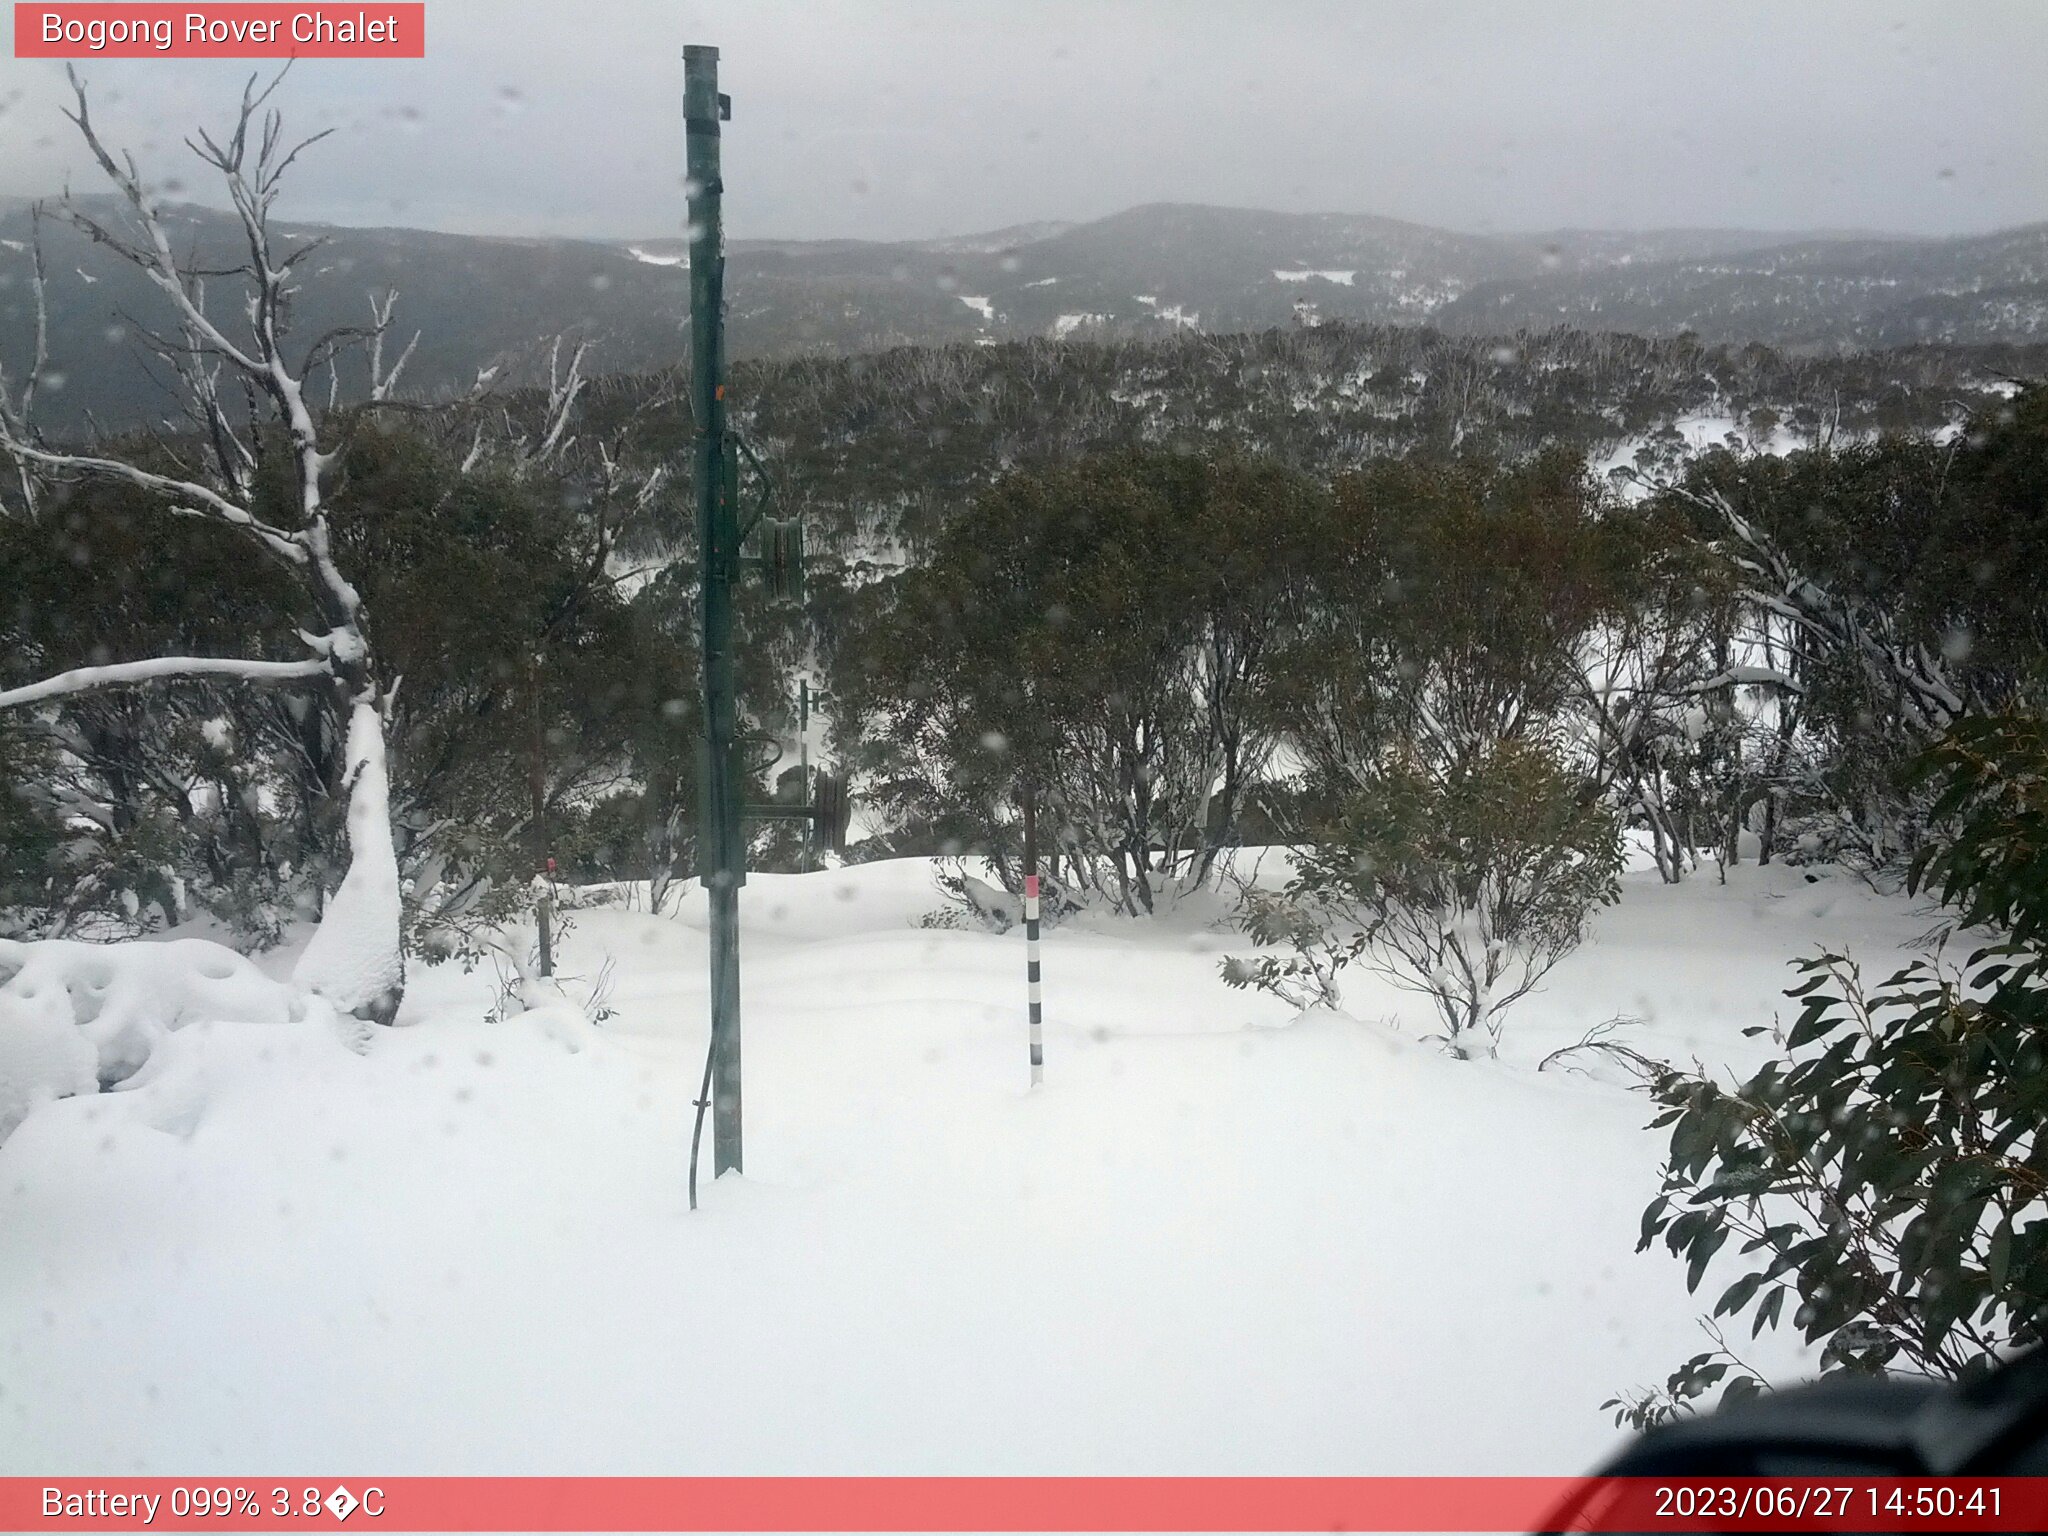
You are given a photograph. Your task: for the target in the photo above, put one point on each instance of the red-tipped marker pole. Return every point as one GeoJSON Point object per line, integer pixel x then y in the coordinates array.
{"type": "Point", "coordinates": [1031, 933]}
{"type": "Point", "coordinates": [1031, 947]}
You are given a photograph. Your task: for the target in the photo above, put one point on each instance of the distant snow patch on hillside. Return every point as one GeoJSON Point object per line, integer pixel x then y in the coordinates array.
{"type": "Point", "coordinates": [1042, 282]}
{"type": "Point", "coordinates": [980, 304]}
{"type": "Point", "coordinates": [1172, 314]}
{"type": "Point", "coordinates": [656, 259]}
{"type": "Point", "coordinates": [1343, 276]}
{"type": "Point", "coordinates": [1067, 324]}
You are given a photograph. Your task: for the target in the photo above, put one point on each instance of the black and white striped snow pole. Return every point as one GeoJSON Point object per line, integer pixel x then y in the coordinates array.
{"type": "Point", "coordinates": [1031, 971]}
{"type": "Point", "coordinates": [1030, 798]}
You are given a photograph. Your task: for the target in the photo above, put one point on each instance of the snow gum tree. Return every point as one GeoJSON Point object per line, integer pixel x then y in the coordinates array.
{"type": "Point", "coordinates": [1657, 704]}
{"type": "Point", "coordinates": [1099, 631]}
{"type": "Point", "coordinates": [1446, 608]}
{"type": "Point", "coordinates": [1450, 838]}
{"type": "Point", "coordinates": [258, 474]}
{"type": "Point", "coordinates": [1881, 592]}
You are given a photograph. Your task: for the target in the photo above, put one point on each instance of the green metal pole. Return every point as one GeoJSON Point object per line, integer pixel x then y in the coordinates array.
{"type": "Point", "coordinates": [723, 860]}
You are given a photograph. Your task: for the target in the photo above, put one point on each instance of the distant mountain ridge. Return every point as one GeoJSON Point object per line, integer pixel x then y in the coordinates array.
{"type": "Point", "coordinates": [486, 301]}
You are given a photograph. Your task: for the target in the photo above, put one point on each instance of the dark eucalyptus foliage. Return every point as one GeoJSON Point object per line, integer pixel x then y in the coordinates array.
{"type": "Point", "coordinates": [1885, 1182]}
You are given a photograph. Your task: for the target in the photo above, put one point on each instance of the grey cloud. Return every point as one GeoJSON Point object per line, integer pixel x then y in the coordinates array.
{"type": "Point", "coordinates": [907, 118]}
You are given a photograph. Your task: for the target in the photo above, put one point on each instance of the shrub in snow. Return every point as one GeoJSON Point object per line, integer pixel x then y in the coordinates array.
{"type": "Point", "coordinates": [1466, 888]}
{"type": "Point", "coordinates": [1884, 1178]}
{"type": "Point", "coordinates": [76, 1016]}
{"type": "Point", "coordinates": [978, 903]}
{"type": "Point", "coordinates": [992, 907]}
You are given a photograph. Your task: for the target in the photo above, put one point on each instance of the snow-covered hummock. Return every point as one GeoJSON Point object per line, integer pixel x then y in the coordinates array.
{"type": "Point", "coordinates": [1328, 275]}
{"type": "Point", "coordinates": [354, 959]}
{"type": "Point", "coordinates": [74, 1015]}
{"type": "Point", "coordinates": [1218, 1240]}
{"type": "Point", "coordinates": [43, 1057]}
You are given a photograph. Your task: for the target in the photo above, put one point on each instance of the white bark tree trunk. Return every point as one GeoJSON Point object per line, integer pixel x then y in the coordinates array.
{"type": "Point", "coordinates": [355, 960]}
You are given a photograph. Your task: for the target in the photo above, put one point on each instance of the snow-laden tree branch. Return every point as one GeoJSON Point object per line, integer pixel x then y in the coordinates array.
{"type": "Point", "coordinates": [188, 498]}
{"type": "Point", "coordinates": [563, 388]}
{"type": "Point", "coordinates": [156, 669]}
{"type": "Point", "coordinates": [383, 380]}
{"type": "Point", "coordinates": [1914, 678]}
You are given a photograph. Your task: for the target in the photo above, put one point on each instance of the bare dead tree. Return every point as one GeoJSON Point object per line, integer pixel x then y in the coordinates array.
{"type": "Point", "coordinates": [354, 958]}
{"type": "Point", "coordinates": [17, 404]}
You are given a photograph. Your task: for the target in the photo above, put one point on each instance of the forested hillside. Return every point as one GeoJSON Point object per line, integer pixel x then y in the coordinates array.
{"type": "Point", "coordinates": [885, 447]}
{"type": "Point", "coordinates": [1161, 270]}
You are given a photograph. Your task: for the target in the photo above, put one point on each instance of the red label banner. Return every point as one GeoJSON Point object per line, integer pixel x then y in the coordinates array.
{"type": "Point", "coordinates": [214, 31]}
{"type": "Point", "coordinates": [1007, 1504]}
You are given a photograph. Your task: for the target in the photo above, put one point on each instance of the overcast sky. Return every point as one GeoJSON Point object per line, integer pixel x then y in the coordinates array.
{"type": "Point", "coordinates": [912, 118]}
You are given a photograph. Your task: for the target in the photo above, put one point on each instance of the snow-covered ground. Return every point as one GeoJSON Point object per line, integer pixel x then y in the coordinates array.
{"type": "Point", "coordinates": [1688, 436]}
{"type": "Point", "coordinates": [1216, 1241]}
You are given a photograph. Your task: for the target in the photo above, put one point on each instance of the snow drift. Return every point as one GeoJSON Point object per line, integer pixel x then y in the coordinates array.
{"type": "Point", "coordinates": [74, 1016]}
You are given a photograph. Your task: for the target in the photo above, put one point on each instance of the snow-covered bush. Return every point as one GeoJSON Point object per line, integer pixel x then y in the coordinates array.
{"type": "Point", "coordinates": [76, 1016]}
{"type": "Point", "coordinates": [974, 902]}
{"type": "Point", "coordinates": [1305, 979]}
{"type": "Point", "coordinates": [1466, 888]}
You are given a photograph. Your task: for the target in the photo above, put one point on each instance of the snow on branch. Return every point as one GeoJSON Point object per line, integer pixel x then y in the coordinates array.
{"type": "Point", "coordinates": [382, 382]}
{"type": "Point", "coordinates": [161, 669]}
{"type": "Point", "coordinates": [563, 388]}
{"type": "Point", "coordinates": [1915, 678]}
{"type": "Point", "coordinates": [155, 259]}
{"type": "Point", "coordinates": [251, 161]}
{"type": "Point", "coordinates": [17, 406]}
{"type": "Point", "coordinates": [189, 497]}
